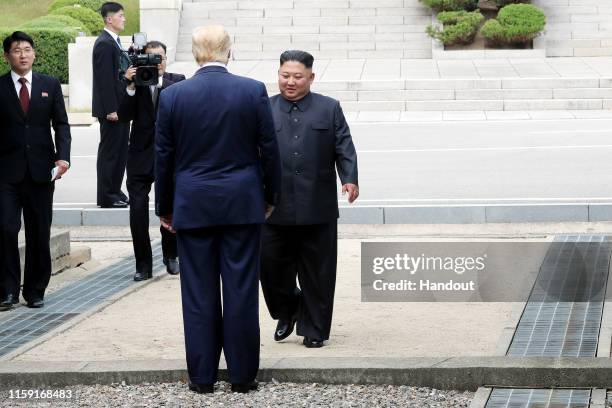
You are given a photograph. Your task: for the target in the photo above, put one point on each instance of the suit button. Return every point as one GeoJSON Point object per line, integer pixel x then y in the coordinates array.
{"type": "Point", "coordinates": [27, 126]}
{"type": "Point", "coordinates": [27, 146]}
{"type": "Point", "coordinates": [297, 172]}
{"type": "Point", "coordinates": [296, 120]}
{"type": "Point", "coordinates": [296, 136]}
{"type": "Point", "coordinates": [296, 154]}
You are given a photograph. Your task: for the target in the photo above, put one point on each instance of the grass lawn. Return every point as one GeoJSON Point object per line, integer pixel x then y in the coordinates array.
{"type": "Point", "coordinates": [16, 12]}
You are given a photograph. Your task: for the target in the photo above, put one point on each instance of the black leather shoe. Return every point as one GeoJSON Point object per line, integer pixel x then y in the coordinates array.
{"type": "Point", "coordinates": [312, 343]}
{"type": "Point", "coordinates": [172, 266]}
{"type": "Point", "coordinates": [123, 197]}
{"type": "Point", "coordinates": [202, 388]}
{"type": "Point", "coordinates": [140, 276]}
{"type": "Point", "coordinates": [8, 301]}
{"type": "Point", "coordinates": [35, 303]}
{"type": "Point", "coordinates": [116, 204]}
{"type": "Point", "coordinates": [284, 328]}
{"type": "Point", "coordinates": [244, 388]}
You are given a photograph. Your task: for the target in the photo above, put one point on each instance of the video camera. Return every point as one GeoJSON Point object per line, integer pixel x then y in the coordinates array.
{"type": "Point", "coordinates": [145, 64]}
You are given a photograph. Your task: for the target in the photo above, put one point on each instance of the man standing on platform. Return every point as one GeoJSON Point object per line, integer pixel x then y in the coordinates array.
{"type": "Point", "coordinates": [300, 238]}
{"type": "Point", "coordinates": [217, 177]}
{"type": "Point", "coordinates": [30, 104]}
{"type": "Point", "coordinates": [139, 105]}
{"type": "Point", "coordinates": [108, 89]}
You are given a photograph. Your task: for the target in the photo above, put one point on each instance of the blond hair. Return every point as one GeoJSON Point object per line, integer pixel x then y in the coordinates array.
{"type": "Point", "coordinates": [211, 44]}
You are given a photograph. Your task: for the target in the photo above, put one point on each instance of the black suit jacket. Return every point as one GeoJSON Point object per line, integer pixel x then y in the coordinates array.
{"type": "Point", "coordinates": [140, 110]}
{"type": "Point", "coordinates": [108, 88]}
{"type": "Point", "coordinates": [25, 140]}
{"type": "Point", "coordinates": [314, 140]}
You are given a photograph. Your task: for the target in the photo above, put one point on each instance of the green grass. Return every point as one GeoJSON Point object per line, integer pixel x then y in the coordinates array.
{"type": "Point", "coordinates": [16, 12]}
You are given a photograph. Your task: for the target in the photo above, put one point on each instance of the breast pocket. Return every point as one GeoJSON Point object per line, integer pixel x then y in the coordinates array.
{"type": "Point", "coordinates": [320, 126]}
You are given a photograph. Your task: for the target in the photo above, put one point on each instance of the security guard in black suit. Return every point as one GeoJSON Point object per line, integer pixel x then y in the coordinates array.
{"type": "Point", "coordinates": [140, 106]}
{"type": "Point", "coordinates": [300, 238]}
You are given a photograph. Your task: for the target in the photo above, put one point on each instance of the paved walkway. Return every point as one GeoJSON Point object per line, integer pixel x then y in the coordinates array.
{"type": "Point", "coordinates": [398, 69]}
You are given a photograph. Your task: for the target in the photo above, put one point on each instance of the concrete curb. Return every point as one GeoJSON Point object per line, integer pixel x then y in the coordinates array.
{"type": "Point", "coordinates": [409, 214]}
{"type": "Point", "coordinates": [459, 373]}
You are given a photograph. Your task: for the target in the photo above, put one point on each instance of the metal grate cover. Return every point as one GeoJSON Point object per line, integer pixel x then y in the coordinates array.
{"type": "Point", "coordinates": [22, 325]}
{"type": "Point", "coordinates": [525, 398]}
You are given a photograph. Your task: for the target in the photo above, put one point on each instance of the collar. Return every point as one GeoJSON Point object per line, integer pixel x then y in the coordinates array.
{"type": "Point", "coordinates": [112, 34]}
{"type": "Point", "coordinates": [302, 104]}
{"type": "Point", "coordinates": [213, 64]}
{"type": "Point", "coordinates": [15, 77]}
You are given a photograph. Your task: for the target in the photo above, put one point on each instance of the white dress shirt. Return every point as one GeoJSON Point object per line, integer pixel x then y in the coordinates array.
{"type": "Point", "coordinates": [114, 35]}
{"type": "Point", "coordinates": [213, 64]}
{"type": "Point", "coordinates": [16, 77]}
{"type": "Point", "coordinates": [160, 83]}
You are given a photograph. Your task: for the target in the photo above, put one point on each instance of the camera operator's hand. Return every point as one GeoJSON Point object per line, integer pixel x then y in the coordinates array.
{"type": "Point", "coordinates": [129, 73]}
{"type": "Point", "coordinates": [112, 117]}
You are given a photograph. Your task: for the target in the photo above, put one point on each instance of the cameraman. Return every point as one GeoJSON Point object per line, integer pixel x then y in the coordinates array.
{"type": "Point", "coordinates": [140, 106]}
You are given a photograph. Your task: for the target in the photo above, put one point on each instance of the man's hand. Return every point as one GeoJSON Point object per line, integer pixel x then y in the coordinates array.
{"type": "Point", "coordinates": [129, 75]}
{"type": "Point", "coordinates": [112, 117]}
{"type": "Point", "coordinates": [166, 222]}
{"type": "Point", "coordinates": [269, 210]}
{"type": "Point", "coordinates": [62, 168]}
{"type": "Point", "coordinates": [353, 191]}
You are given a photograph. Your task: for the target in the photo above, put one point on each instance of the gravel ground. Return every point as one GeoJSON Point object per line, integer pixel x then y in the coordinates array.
{"type": "Point", "coordinates": [284, 395]}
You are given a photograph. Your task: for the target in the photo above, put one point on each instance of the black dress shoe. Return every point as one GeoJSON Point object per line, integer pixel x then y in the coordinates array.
{"type": "Point", "coordinates": [8, 301]}
{"type": "Point", "coordinates": [116, 204]}
{"type": "Point", "coordinates": [140, 276]}
{"type": "Point", "coordinates": [172, 266]}
{"type": "Point", "coordinates": [284, 328]}
{"type": "Point", "coordinates": [35, 303]}
{"type": "Point", "coordinates": [123, 197]}
{"type": "Point", "coordinates": [244, 388]}
{"type": "Point", "coordinates": [312, 343]}
{"type": "Point", "coordinates": [202, 388]}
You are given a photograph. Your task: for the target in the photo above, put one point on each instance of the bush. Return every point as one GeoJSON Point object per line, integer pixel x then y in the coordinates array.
{"type": "Point", "coordinates": [51, 22]}
{"type": "Point", "coordinates": [460, 27]}
{"type": "Point", "coordinates": [515, 24]}
{"type": "Point", "coordinates": [51, 51]}
{"type": "Point", "coordinates": [91, 20]}
{"type": "Point", "coordinates": [451, 5]}
{"type": "Point", "coordinates": [93, 5]}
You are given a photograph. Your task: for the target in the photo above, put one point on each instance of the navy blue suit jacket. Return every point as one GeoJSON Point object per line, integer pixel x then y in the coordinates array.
{"type": "Point", "coordinates": [217, 159]}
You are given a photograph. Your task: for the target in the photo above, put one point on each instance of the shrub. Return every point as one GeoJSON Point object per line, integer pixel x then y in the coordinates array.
{"type": "Point", "coordinates": [93, 5]}
{"type": "Point", "coordinates": [451, 5]}
{"type": "Point", "coordinates": [51, 50]}
{"type": "Point", "coordinates": [515, 24]}
{"type": "Point", "coordinates": [51, 22]}
{"type": "Point", "coordinates": [460, 27]}
{"type": "Point", "coordinates": [89, 19]}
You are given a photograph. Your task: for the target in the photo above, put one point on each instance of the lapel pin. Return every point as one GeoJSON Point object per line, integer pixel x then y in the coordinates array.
{"type": "Point", "coordinates": [45, 95]}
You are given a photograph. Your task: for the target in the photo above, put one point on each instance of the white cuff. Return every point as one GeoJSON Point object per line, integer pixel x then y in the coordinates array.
{"type": "Point", "coordinates": [130, 92]}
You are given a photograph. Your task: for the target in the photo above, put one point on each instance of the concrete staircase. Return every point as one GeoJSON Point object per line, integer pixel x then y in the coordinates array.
{"type": "Point", "coordinates": [262, 29]}
{"type": "Point", "coordinates": [577, 28]}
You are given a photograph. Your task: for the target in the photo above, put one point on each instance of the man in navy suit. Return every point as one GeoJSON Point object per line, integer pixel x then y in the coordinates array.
{"type": "Point", "coordinates": [217, 179]}
{"type": "Point", "coordinates": [30, 162]}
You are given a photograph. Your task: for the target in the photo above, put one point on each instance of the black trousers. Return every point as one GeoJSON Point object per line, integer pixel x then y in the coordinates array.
{"type": "Point", "coordinates": [112, 157]}
{"type": "Point", "coordinates": [139, 187]}
{"type": "Point", "coordinates": [308, 252]}
{"type": "Point", "coordinates": [220, 316]}
{"type": "Point", "coordinates": [35, 200]}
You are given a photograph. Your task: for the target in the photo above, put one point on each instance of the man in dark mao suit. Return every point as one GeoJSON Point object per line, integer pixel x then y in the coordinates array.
{"type": "Point", "coordinates": [300, 238]}
{"type": "Point", "coordinates": [217, 177]}
{"type": "Point", "coordinates": [30, 162]}
{"type": "Point", "coordinates": [139, 104]}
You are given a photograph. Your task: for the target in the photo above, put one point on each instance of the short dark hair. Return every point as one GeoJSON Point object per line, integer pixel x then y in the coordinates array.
{"type": "Point", "coordinates": [296, 55]}
{"type": "Point", "coordinates": [17, 36]}
{"type": "Point", "coordinates": [110, 7]}
{"type": "Point", "coordinates": [155, 44]}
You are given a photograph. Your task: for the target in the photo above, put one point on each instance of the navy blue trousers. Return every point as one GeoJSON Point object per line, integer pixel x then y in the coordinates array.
{"type": "Point", "coordinates": [209, 256]}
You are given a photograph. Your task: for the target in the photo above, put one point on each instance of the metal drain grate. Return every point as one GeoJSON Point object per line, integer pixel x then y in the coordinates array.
{"type": "Point", "coordinates": [521, 398]}
{"type": "Point", "coordinates": [563, 314]}
{"type": "Point", "coordinates": [22, 325]}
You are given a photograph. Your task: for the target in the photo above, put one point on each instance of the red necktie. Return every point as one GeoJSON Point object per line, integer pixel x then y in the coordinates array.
{"type": "Point", "coordinates": [24, 96]}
